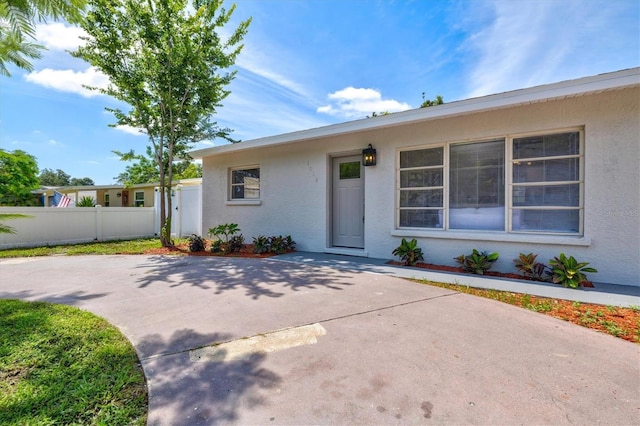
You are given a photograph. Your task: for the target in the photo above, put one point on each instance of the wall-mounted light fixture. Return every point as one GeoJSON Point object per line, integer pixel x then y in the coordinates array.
{"type": "Point", "coordinates": [119, 194]}
{"type": "Point", "coordinates": [369, 156]}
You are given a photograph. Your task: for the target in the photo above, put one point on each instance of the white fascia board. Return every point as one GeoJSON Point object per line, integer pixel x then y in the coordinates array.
{"type": "Point", "coordinates": [578, 87]}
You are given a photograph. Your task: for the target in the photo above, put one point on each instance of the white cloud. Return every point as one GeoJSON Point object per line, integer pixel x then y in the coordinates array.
{"type": "Point", "coordinates": [130, 130]}
{"type": "Point", "coordinates": [352, 102]}
{"type": "Point", "coordinates": [57, 36]}
{"type": "Point", "coordinates": [69, 80]}
{"type": "Point", "coordinates": [53, 142]}
{"type": "Point", "coordinates": [537, 42]}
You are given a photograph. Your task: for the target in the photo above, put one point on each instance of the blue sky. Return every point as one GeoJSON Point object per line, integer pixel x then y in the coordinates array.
{"type": "Point", "coordinates": [317, 62]}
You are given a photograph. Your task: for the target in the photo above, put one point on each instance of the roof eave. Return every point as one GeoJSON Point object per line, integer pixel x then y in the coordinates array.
{"type": "Point", "coordinates": [582, 86]}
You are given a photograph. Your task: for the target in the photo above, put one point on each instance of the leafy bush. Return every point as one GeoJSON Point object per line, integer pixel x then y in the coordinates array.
{"type": "Point", "coordinates": [409, 252]}
{"type": "Point", "coordinates": [196, 243]}
{"type": "Point", "coordinates": [260, 244]}
{"type": "Point", "coordinates": [277, 244]}
{"type": "Point", "coordinates": [235, 244]}
{"type": "Point", "coordinates": [477, 262]}
{"type": "Point", "coordinates": [568, 271]}
{"type": "Point", "coordinates": [226, 230]}
{"type": "Point", "coordinates": [526, 263]}
{"type": "Point", "coordinates": [86, 202]}
{"type": "Point", "coordinates": [217, 246]}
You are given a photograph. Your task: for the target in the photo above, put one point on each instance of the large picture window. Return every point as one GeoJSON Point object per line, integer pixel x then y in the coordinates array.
{"type": "Point", "coordinates": [245, 184]}
{"type": "Point", "coordinates": [531, 183]}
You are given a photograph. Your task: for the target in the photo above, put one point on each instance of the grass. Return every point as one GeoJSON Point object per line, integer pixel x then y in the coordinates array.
{"type": "Point", "coordinates": [619, 322]}
{"type": "Point", "coordinates": [62, 365]}
{"type": "Point", "coordinates": [139, 246]}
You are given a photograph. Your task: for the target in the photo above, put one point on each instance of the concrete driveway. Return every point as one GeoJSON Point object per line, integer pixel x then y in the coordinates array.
{"type": "Point", "coordinates": [302, 344]}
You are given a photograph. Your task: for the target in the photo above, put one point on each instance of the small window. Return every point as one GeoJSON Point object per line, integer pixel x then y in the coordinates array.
{"type": "Point", "coordinates": [350, 170]}
{"type": "Point", "coordinates": [245, 184]}
{"type": "Point", "coordinates": [546, 183]}
{"type": "Point", "coordinates": [139, 199]}
{"type": "Point", "coordinates": [421, 188]}
{"type": "Point", "coordinates": [106, 200]}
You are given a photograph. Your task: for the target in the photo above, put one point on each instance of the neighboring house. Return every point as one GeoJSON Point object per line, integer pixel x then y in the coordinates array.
{"type": "Point", "coordinates": [548, 169]}
{"type": "Point", "coordinates": [138, 195]}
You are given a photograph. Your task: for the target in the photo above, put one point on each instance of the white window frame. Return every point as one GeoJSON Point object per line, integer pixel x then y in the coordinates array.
{"type": "Point", "coordinates": [511, 184]}
{"type": "Point", "coordinates": [107, 198]}
{"type": "Point", "coordinates": [230, 185]}
{"type": "Point", "coordinates": [136, 199]}
{"type": "Point", "coordinates": [508, 234]}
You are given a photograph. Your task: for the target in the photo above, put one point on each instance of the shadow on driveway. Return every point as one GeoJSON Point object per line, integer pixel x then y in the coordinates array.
{"type": "Point", "coordinates": [258, 277]}
{"type": "Point", "coordinates": [179, 385]}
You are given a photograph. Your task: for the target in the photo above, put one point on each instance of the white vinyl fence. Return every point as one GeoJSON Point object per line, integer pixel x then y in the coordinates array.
{"type": "Point", "coordinates": [52, 225]}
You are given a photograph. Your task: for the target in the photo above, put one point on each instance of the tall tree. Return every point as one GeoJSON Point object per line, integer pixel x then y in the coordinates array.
{"type": "Point", "coordinates": [48, 177]}
{"type": "Point", "coordinates": [145, 168]}
{"type": "Point", "coordinates": [17, 27]}
{"type": "Point", "coordinates": [85, 181]}
{"type": "Point", "coordinates": [18, 177]}
{"type": "Point", "coordinates": [429, 102]}
{"type": "Point", "coordinates": [169, 65]}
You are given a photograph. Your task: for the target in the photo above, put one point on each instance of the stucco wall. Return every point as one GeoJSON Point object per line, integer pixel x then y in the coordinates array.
{"type": "Point", "coordinates": [295, 185]}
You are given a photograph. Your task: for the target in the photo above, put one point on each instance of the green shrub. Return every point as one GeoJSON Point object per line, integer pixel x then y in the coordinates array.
{"type": "Point", "coordinates": [568, 271]}
{"type": "Point", "coordinates": [477, 262]}
{"type": "Point", "coordinates": [86, 202]}
{"type": "Point", "coordinates": [235, 244]}
{"type": "Point", "coordinates": [217, 246]}
{"type": "Point", "coordinates": [260, 244]}
{"type": "Point", "coordinates": [409, 252]}
{"type": "Point", "coordinates": [226, 230]}
{"type": "Point", "coordinates": [196, 243]}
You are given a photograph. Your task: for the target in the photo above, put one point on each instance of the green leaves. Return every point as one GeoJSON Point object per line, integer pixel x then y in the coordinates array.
{"type": "Point", "coordinates": [477, 262]}
{"type": "Point", "coordinates": [409, 252]}
{"type": "Point", "coordinates": [568, 271]}
{"type": "Point", "coordinates": [167, 62]}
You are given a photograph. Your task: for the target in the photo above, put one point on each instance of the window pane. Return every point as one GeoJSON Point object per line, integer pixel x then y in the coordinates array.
{"type": "Point", "coordinates": [476, 195]}
{"type": "Point", "coordinates": [237, 192]}
{"type": "Point", "coordinates": [477, 175]}
{"type": "Point", "coordinates": [421, 218]}
{"type": "Point", "coordinates": [139, 196]}
{"type": "Point", "coordinates": [546, 220]}
{"type": "Point", "coordinates": [547, 146]}
{"type": "Point", "coordinates": [238, 176]}
{"type": "Point", "coordinates": [548, 195]}
{"type": "Point", "coordinates": [420, 178]}
{"type": "Point", "coordinates": [421, 158]}
{"type": "Point", "coordinates": [350, 170]}
{"type": "Point", "coordinates": [423, 198]}
{"type": "Point", "coordinates": [566, 169]}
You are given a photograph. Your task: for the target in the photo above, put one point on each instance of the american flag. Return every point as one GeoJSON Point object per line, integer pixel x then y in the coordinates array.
{"type": "Point", "coordinates": [60, 200]}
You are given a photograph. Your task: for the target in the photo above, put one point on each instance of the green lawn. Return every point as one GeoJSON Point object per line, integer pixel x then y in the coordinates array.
{"type": "Point", "coordinates": [109, 247]}
{"type": "Point", "coordinates": [62, 365]}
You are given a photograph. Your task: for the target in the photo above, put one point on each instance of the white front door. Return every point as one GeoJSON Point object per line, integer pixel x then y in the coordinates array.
{"type": "Point", "coordinates": [348, 202]}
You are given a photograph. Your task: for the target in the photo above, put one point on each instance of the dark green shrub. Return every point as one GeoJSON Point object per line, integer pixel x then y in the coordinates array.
{"type": "Point", "coordinates": [86, 202]}
{"type": "Point", "coordinates": [260, 244]}
{"type": "Point", "coordinates": [217, 246]}
{"type": "Point", "coordinates": [235, 244]}
{"type": "Point", "coordinates": [477, 262]}
{"type": "Point", "coordinates": [568, 271]}
{"type": "Point", "coordinates": [277, 244]}
{"type": "Point", "coordinates": [196, 243]}
{"type": "Point", "coordinates": [409, 252]}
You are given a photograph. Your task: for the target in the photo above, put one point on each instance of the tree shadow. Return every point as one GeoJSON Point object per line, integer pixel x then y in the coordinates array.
{"type": "Point", "coordinates": [257, 277]}
{"type": "Point", "coordinates": [73, 299]}
{"type": "Point", "coordinates": [184, 389]}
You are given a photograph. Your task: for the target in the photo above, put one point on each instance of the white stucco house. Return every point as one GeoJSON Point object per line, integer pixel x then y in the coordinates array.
{"type": "Point", "coordinates": [547, 169]}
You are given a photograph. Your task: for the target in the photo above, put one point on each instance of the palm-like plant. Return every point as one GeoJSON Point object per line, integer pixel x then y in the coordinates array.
{"type": "Point", "coordinates": [18, 32]}
{"type": "Point", "coordinates": [568, 271]}
{"type": "Point", "coordinates": [6, 229]}
{"type": "Point", "coordinates": [409, 252]}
